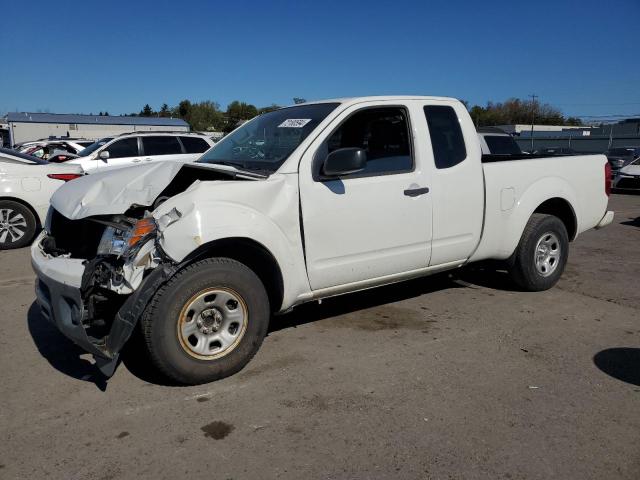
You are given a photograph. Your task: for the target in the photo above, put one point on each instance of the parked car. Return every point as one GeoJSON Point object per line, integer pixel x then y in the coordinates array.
{"type": "Point", "coordinates": [559, 151]}
{"type": "Point", "coordinates": [26, 185]}
{"type": "Point", "coordinates": [344, 195]}
{"type": "Point", "coordinates": [142, 147]}
{"type": "Point", "coordinates": [622, 156]}
{"type": "Point", "coordinates": [494, 141]}
{"type": "Point", "coordinates": [56, 151]}
{"type": "Point", "coordinates": [628, 177]}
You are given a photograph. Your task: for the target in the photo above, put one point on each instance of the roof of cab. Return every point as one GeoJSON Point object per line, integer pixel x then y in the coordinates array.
{"type": "Point", "coordinates": [353, 100]}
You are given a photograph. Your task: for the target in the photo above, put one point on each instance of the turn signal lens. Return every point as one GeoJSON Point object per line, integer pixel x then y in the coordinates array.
{"type": "Point", "coordinates": [141, 229]}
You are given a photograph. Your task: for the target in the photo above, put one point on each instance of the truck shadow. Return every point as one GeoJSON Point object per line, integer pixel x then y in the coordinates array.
{"type": "Point", "coordinates": [621, 363]}
{"type": "Point", "coordinates": [344, 304]}
{"type": "Point", "coordinates": [61, 353]}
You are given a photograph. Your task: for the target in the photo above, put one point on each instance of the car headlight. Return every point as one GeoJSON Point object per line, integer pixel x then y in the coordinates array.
{"type": "Point", "coordinates": [126, 241]}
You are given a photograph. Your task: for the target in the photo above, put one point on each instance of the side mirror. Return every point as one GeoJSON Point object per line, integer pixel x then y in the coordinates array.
{"type": "Point", "coordinates": [344, 161]}
{"type": "Point", "coordinates": [104, 155]}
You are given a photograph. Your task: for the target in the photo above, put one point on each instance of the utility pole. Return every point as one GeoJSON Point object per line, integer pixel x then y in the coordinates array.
{"type": "Point", "coordinates": [533, 115]}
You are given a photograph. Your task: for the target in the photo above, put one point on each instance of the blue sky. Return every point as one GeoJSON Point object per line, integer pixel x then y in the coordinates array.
{"type": "Point", "coordinates": [72, 56]}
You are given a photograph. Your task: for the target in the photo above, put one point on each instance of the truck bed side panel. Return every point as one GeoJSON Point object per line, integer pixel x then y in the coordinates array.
{"type": "Point", "coordinates": [515, 189]}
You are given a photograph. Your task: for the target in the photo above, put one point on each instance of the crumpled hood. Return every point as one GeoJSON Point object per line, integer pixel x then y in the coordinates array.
{"type": "Point", "coordinates": [113, 191]}
{"type": "Point", "coordinates": [630, 170]}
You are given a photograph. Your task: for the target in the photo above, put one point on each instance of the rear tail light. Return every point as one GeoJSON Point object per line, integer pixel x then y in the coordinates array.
{"type": "Point", "coordinates": [607, 179]}
{"type": "Point", "coordinates": [65, 177]}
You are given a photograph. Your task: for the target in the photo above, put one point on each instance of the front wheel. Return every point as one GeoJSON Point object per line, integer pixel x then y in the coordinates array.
{"type": "Point", "coordinates": [541, 255]}
{"type": "Point", "coordinates": [207, 322]}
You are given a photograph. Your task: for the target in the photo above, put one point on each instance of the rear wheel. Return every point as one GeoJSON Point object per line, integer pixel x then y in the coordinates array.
{"type": "Point", "coordinates": [207, 322]}
{"type": "Point", "coordinates": [17, 225]}
{"type": "Point", "coordinates": [540, 258]}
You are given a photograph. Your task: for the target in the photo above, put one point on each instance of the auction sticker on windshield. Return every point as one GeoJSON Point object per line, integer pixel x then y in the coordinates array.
{"type": "Point", "coordinates": [294, 123]}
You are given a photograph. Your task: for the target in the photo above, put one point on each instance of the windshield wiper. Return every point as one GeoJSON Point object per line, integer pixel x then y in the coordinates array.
{"type": "Point", "coordinates": [242, 168]}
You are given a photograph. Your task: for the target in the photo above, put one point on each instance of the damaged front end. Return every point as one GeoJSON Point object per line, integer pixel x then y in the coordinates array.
{"type": "Point", "coordinates": [96, 276]}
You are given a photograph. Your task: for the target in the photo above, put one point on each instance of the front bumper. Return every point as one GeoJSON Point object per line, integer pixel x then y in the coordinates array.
{"type": "Point", "coordinates": [59, 292]}
{"type": "Point", "coordinates": [59, 295]}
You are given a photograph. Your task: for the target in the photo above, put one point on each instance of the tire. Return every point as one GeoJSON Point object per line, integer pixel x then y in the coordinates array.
{"type": "Point", "coordinates": [527, 266]}
{"type": "Point", "coordinates": [192, 330]}
{"type": "Point", "coordinates": [18, 225]}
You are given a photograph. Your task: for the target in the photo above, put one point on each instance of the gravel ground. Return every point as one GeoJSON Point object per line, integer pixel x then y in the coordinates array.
{"type": "Point", "coordinates": [444, 377]}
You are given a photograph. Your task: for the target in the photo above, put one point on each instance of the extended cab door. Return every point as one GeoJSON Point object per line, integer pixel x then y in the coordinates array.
{"type": "Point", "coordinates": [373, 223]}
{"type": "Point", "coordinates": [457, 182]}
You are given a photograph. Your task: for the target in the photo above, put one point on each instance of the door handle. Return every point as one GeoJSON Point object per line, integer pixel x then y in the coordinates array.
{"type": "Point", "coordinates": [414, 192]}
{"type": "Point", "coordinates": [148, 159]}
{"type": "Point", "coordinates": [135, 160]}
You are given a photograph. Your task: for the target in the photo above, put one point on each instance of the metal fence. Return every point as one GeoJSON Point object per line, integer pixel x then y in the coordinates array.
{"type": "Point", "coordinates": [590, 144]}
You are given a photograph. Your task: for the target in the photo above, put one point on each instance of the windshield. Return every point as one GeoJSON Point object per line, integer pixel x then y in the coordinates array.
{"type": "Point", "coordinates": [93, 147]}
{"type": "Point", "coordinates": [502, 145]}
{"type": "Point", "coordinates": [264, 143]}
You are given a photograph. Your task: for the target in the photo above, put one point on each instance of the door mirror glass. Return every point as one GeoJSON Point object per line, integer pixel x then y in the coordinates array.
{"type": "Point", "coordinates": [344, 161]}
{"type": "Point", "coordinates": [104, 155]}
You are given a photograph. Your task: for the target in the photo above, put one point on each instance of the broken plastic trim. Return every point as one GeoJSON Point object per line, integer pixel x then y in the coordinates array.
{"type": "Point", "coordinates": [129, 315]}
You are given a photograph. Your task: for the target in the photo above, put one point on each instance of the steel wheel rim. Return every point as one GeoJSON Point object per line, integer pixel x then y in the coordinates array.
{"type": "Point", "coordinates": [13, 225]}
{"type": "Point", "coordinates": [547, 254]}
{"type": "Point", "coordinates": [212, 323]}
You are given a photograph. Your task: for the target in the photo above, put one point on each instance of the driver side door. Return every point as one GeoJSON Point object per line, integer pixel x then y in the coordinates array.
{"type": "Point", "coordinates": [373, 224]}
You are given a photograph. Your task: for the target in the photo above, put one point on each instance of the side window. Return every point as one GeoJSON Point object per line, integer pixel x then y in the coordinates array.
{"type": "Point", "coordinates": [194, 144]}
{"type": "Point", "coordinates": [383, 133]}
{"type": "Point", "coordinates": [127, 147]}
{"type": "Point", "coordinates": [446, 136]}
{"type": "Point", "coordinates": [161, 145]}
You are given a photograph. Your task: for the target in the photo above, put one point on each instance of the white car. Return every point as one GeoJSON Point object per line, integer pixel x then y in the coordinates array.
{"type": "Point", "coordinates": [628, 178]}
{"type": "Point", "coordinates": [26, 186]}
{"type": "Point", "coordinates": [298, 204]}
{"type": "Point", "coordinates": [142, 147]}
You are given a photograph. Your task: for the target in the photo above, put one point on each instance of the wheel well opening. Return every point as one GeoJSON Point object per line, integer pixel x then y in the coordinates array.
{"type": "Point", "coordinates": [253, 255]}
{"type": "Point", "coordinates": [560, 208]}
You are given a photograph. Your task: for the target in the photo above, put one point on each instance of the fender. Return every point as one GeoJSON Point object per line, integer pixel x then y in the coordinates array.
{"type": "Point", "coordinates": [268, 216]}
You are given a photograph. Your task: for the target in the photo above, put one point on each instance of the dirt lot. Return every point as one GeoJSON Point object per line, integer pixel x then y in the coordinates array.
{"type": "Point", "coordinates": [445, 377]}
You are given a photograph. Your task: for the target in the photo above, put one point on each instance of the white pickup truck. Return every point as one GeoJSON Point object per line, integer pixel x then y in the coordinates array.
{"type": "Point", "coordinates": [299, 204]}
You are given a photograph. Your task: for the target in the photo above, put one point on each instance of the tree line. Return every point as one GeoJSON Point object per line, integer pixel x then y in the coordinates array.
{"type": "Point", "coordinates": [517, 111]}
{"type": "Point", "coordinates": [207, 115]}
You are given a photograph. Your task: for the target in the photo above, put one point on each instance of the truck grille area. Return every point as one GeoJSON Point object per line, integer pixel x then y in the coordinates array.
{"type": "Point", "coordinates": [80, 238]}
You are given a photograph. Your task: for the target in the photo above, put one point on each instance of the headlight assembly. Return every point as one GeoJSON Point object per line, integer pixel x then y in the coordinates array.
{"type": "Point", "coordinates": [127, 241]}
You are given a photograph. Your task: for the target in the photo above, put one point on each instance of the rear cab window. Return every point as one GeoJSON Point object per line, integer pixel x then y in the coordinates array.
{"type": "Point", "coordinates": [447, 140]}
{"type": "Point", "coordinates": [502, 145]}
{"type": "Point", "coordinates": [161, 145]}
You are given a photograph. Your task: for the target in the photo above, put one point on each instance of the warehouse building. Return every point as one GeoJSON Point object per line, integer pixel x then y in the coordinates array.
{"type": "Point", "coordinates": [23, 127]}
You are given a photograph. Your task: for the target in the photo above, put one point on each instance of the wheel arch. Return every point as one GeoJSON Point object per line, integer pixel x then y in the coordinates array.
{"type": "Point", "coordinates": [561, 208]}
{"type": "Point", "coordinates": [252, 254]}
